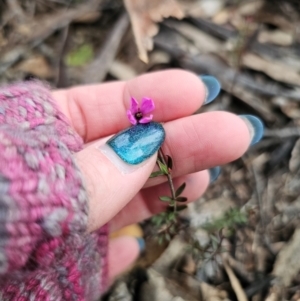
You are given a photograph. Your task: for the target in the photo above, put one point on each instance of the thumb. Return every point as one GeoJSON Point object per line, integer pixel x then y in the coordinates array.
{"type": "Point", "coordinates": [116, 170]}
{"type": "Point", "coordinates": [122, 253]}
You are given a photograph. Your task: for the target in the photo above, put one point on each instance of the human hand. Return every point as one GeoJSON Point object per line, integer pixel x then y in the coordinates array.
{"type": "Point", "coordinates": [196, 143]}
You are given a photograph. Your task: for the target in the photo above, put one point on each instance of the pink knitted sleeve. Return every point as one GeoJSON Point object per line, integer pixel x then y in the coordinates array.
{"type": "Point", "coordinates": [45, 252]}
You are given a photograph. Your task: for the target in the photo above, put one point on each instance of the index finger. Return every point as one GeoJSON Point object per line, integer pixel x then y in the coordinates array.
{"type": "Point", "coordinates": [97, 111]}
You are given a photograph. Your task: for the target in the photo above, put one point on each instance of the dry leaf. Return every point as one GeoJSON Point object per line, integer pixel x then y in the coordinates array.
{"type": "Point", "coordinates": [287, 264]}
{"type": "Point", "coordinates": [235, 283]}
{"type": "Point", "coordinates": [37, 66]}
{"type": "Point", "coordinates": [294, 164]}
{"type": "Point", "coordinates": [144, 15]}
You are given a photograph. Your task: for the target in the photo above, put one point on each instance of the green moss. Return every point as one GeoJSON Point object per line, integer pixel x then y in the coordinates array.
{"type": "Point", "coordinates": [80, 56]}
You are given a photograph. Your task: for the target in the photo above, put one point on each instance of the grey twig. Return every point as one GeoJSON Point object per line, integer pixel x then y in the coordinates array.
{"type": "Point", "coordinates": [98, 68]}
{"type": "Point", "coordinates": [287, 132]}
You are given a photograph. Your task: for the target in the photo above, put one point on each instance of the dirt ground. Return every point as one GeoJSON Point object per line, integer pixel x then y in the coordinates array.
{"type": "Point", "coordinates": [241, 240]}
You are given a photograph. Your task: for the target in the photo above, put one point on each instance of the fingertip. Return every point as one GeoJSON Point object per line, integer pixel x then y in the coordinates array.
{"type": "Point", "coordinates": [176, 93]}
{"type": "Point", "coordinates": [231, 134]}
{"type": "Point", "coordinates": [122, 253]}
{"type": "Point", "coordinates": [214, 173]}
{"type": "Point", "coordinates": [255, 126]}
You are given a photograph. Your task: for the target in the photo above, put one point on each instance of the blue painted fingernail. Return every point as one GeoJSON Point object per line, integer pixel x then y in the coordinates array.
{"type": "Point", "coordinates": [255, 126]}
{"type": "Point", "coordinates": [214, 173]}
{"type": "Point", "coordinates": [213, 87]}
{"type": "Point", "coordinates": [142, 244]}
{"type": "Point", "coordinates": [138, 143]}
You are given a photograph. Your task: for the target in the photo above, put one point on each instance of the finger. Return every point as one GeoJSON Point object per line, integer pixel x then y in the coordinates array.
{"type": "Point", "coordinates": [100, 110]}
{"type": "Point", "coordinates": [147, 202]}
{"type": "Point", "coordinates": [109, 188]}
{"type": "Point", "coordinates": [122, 252]}
{"type": "Point", "coordinates": [195, 143]}
{"type": "Point", "coordinates": [203, 141]}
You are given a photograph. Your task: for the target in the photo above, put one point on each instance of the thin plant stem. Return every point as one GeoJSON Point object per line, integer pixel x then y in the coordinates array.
{"type": "Point", "coordinates": [161, 156]}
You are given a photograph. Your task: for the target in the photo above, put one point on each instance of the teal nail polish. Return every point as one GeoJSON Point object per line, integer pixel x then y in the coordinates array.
{"type": "Point", "coordinates": [142, 244]}
{"type": "Point", "coordinates": [138, 143]}
{"type": "Point", "coordinates": [256, 127]}
{"type": "Point", "coordinates": [213, 87]}
{"type": "Point", "coordinates": [214, 173]}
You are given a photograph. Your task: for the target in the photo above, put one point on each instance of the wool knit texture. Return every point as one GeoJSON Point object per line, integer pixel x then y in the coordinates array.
{"type": "Point", "coordinates": [45, 250]}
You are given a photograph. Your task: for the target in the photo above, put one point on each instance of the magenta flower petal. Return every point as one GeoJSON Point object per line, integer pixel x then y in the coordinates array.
{"type": "Point", "coordinates": [131, 117]}
{"type": "Point", "coordinates": [147, 105]}
{"type": "Point", "coordinates": [146, 119]}
{"type": "Point", "coordinates": [134, 105]}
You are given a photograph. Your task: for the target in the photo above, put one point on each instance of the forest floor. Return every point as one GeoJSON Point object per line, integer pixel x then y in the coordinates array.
{"type": "Point", "coordinates": [241, 240]}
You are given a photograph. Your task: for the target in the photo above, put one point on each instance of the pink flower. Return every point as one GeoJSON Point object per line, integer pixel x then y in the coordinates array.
{"type": "Point", "coordinates": [137, 115]}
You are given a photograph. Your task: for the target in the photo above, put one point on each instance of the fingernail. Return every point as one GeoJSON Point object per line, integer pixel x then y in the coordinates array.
{"type": "Point", "coordinates": [142, 244]}
{"type": "Point", "coordinates": [137, 143]}
{"type": "Point", "coordinates": [255, 126]}
{"type": "Point", "coordinates": [213, 87]}
{"type": "Point", "coordinates": [214, 173]}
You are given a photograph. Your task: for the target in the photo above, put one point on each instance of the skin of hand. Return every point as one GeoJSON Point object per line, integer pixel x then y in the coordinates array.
{"type": "Point", "coordinates": [195, 142]}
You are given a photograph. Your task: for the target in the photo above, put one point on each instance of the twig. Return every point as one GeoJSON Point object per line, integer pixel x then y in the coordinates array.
{"type": "Point", "coordinates": [39, 30]}
{"type": "Point", "coordinates": [212, 65]}
{"type": "Point", "coordinates": [98, 68]}
{"type": "Point", "coordinates": [161, 156]}
{"type": "Point", "coordinates": [240, 294]}
{"type": "Point", "coordinates": [218, 68]}
{"type": "Point", "coordinates": [286, 132]}
{"type": "Point", "coordinates": [267, 50]}
{"type": "Point", "coordinates": [61, 77]}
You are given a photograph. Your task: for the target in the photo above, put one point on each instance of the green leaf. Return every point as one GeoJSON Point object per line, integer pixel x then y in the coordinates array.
{"type": "Point", "coordinates": [157, 220]}
{"type": "Point", "coordinates": [180, 189]}
{"type": "Point", "coordinates": [169, 162]}
{"type": "Point", "coordinates": [171, 216]}
{"type": "Point", "coordinates": [181, 199]}
{"type": "Point", "coordinates": [156, 174]}
{"type": "Point", "coordinates": [80, 56]}
{"type": "Point", "coordinates": [180, 208]}
{"type": "Point", "coordinates": [163, 167]}
{"type": "Point", "coordinates": [165, 198]}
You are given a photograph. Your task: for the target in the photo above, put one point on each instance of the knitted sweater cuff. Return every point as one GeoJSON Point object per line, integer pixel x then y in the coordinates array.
{"type": "Point", "coordinates": [43, 203]}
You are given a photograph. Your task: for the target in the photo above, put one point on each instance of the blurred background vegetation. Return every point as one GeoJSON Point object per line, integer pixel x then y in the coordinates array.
{"type": "Point", "coordinates": [241, 240]}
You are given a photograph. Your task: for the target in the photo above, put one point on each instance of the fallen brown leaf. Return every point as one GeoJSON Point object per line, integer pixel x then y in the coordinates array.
{"type": "Point", "coordinates": [37, 66]}
{"type": "Point", "coordinates": [144, 15]}
{"type": "Point", "coordinates": [287, 264]}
